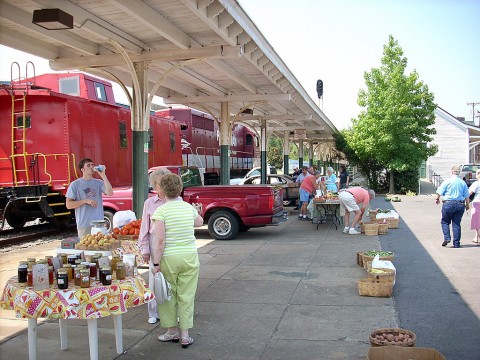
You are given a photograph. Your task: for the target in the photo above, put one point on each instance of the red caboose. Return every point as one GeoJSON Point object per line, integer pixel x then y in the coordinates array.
{"type": "Point", "coordinates": [200, 143]}
{"type": "Point", "coordinates": [50, 122]}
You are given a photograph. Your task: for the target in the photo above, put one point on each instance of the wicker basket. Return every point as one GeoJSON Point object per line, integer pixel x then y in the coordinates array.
{"type": "Point", "coordinates": [359, 259]}
{"type": "Point", "coordinates": [371, 228]}
{"type": "Point", "coordinates": [382, 228]}
{"type": "Point", "coordinates": [372, 287]}
{"type": "Point", "coordinates": [372, 214]}
{"type": "Point", "coordinates": [410, 342]}
{"type": "Point", "coordinates": [388, 276]}
{"type": "Point", "coordinates": [392, 223]}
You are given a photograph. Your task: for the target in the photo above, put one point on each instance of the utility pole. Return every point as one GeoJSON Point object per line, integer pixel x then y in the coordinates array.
{"type": "Point", "coordinates": [473, 109]}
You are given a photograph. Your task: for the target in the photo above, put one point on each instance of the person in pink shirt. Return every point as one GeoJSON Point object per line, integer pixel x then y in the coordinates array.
{"type": "Point", "coordinates": [307, 187]}
{"type": "Point", "coordinates": [349, 200]}
{"type": "Point", "coordinates": [145, 237]}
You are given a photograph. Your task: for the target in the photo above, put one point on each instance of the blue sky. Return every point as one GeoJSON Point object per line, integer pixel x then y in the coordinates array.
{"type": "Point", "coordinates": [337, 41]}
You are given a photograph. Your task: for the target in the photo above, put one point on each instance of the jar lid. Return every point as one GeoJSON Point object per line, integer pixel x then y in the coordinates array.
{"type": "Point", "coordinates": [67, 265]}
{"type": "Point", "coordinates": [23, 262]}
{"type": "Point", "coordinates": [121, 263]}
{"type": "Point", "coordinates": [116, 256]}
{"type": "Point", "coordinates": [22, 266]}
{"type": "Point", "coordinates": [62, 271]}
{"type": "Point", "coordinates": [72, 256]}
{"type": "Point", "coordinates": [42, 261]}
{"type": "Point", "coordinates": [48, 257]}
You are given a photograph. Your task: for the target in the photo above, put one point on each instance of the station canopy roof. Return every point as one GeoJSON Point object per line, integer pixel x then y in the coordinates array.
{"type": "Point", "coordinates": [207, 52]}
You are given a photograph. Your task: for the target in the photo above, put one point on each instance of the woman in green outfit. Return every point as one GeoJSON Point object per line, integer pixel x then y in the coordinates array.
{"type": "Point", "coordinates": [175, 254]}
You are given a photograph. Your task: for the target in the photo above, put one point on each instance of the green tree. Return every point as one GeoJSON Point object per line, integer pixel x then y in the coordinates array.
{"type": "Point", "coordinates": [395, 128]}
{"type": "Point", "coordinates": [275, 153]}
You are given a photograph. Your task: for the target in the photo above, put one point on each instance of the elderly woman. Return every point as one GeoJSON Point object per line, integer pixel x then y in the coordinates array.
{"type": "Point", "coordinates": [175, 254]}
{"type": "Point", "coordinates": [349, 203]}
{"type": "Point", "coordinates": [475, 220]}
{"type": "Point", "coordinates": [331, 180]}
{"type": "Point", "coordinates": [145, 237]}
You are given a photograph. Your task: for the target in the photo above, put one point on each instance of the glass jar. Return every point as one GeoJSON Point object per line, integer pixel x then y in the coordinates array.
{"type": "Point", "coordinates": [85, 278]}
{"type": "Point", "coordinates": [78, 261]}
{"type": "Point", "coordinates": [49, 259]}
{"type": "Point", "coordinates": [107, 276]}
{"type": "Point", "coordinates": [64, 258]}
{"type": "Point", "coordinates": [71, 259]}
{"type": "Point", "coordinates": [101, 274]}
{"type": "Point", "coordinates": [121, 272]}
{"type": "Point", "coordinates": [22, 272]}
{"type": "Point", "coordinates": [78, 276]}
{"type": "Point", "coordinates": [69, 269]}
{"type": "Point", "coordinates": [50, 275]}
{"type": "Point", "coordinates": [93, 271]}
{"type": "Point", "coordinates": [31, 262]}
{"type": "Point", "coordinates": [114, 262]}
{"type": "Point", "coordinates": [62, 279]}
{"type": "Point", "coordinates": [29, 277]}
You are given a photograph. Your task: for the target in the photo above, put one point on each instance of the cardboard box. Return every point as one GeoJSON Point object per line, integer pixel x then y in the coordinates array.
{"type": "Point", "coordinates": [69, 243]}
{"type": "Point", "coordinates": [403, 353]}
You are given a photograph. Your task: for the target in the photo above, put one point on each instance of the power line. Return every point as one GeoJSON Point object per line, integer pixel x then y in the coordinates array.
{"type": "Point", "coordinates": [473, 109]}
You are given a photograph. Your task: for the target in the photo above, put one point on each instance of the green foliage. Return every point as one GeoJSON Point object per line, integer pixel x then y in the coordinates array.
{"type": "Point", "coordinates": [275, 152]}
{"type": "Point", "coordinates": [394, 129]}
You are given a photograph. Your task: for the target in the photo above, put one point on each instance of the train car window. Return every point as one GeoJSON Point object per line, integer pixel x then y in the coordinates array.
{"type": "Point", "coordinates": [100, 91]}
{"type": "Point", "coordinates": [28, 122]}
{"type": "Point", "coordinates": [249, 139]}
{"type": "Point", "coordinates": [122, 128]}
{"type": "Point", "coordinates": [69, 85]}
{"type": "Point", "coordinates": [173, 143]}
{"type": "Point", "coordinates": [150, 139]}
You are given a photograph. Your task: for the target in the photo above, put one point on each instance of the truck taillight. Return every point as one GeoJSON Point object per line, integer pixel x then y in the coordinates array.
{"type": "Point", "coordinates": [271, 201]}
{"type": "Point", "coordinates": [469, 175]}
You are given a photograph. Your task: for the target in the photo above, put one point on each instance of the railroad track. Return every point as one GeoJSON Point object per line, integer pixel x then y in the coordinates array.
{"type": "Point", "coordinates": [12, 237]}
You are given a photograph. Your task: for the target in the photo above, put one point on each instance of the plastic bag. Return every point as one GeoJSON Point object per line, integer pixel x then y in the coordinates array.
{"type": "Point", "coordinates": [161, 288]}
{"type": "Point", "coordinates": [123, 217]}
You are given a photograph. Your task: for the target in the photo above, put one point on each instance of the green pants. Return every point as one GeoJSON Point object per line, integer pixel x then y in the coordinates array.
{"type": "Point", "coordinates": [181, 271]}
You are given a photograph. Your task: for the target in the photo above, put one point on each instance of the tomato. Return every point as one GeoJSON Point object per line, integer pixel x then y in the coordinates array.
{"type": "Point", "coordinates": [137, 232]}
{"type": "Point", "coordinates": [124, 231]}
{"type": "Point", "coordinates": [116, 231]}
{"type": "Point", "coordinates": [131, 232]}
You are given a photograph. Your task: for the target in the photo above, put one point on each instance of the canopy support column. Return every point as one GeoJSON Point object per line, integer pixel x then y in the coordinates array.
{"type": "Point", "coordinates": [286, 152]}
{"type": "Point", "coordinates": [225, 142]}
{"type": "Point", "coordinates": [263, 151]}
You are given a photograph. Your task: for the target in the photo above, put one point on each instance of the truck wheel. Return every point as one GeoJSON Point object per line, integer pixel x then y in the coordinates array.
{"type": "Point", "coordinates": [223, 225]}
{"type": "Point", "coordinates": [108, 217]}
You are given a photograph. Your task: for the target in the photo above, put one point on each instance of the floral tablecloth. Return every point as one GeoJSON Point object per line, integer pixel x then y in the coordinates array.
{"type": "Point", "coordinates": [75, 302]}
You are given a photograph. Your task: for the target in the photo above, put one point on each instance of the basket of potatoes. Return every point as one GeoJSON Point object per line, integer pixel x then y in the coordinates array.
{"type": "Point", "coordinates": [393, 337]}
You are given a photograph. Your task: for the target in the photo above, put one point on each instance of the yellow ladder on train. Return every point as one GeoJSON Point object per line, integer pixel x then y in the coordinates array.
{"type": "Point", "coordinates": [18, 149]}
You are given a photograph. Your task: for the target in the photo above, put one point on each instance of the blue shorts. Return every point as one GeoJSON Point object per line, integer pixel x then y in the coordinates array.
{"type": "Point", "coordinates": [304, 195]}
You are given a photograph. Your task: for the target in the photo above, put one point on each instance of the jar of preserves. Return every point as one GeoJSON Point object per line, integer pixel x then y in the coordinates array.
{"type": "Point", "coordinates": [50, 275]}
{"type": "Point", "coordinates": [93, 270]}
{"type": "Point", "coordinates": [85, 278]}
{"type": "Point", "coordinates": [62, 279]}
{"type": "Point", "coordinates": [49, 259]}
{"type": "Point", "coordinates": [107, 276]}
{"type": "Point", "coordinates": [71, 259]}
{"type": "Point", "coordinates": [100, 274]}
{"type": "Point", "coordinates": [69, 269]}
{"type": "Point", "coordinates": [31, 262]}
{"type": "Point", "coordinates": [22, 272]}
{"type": "Point", "coordinates": [114, 262]}
{"type": "Point", "coordinates": [29, 277]}
{"type": "Point", "coordinates": [121, 272]}
{"type": "Point", "coordinates": [77, 277]}
{"type": "Point", "coordinates": [64, 258]}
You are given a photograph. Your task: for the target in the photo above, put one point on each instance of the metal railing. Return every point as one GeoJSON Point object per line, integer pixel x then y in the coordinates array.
{"type": "Point", "coordinates": [435, 178]}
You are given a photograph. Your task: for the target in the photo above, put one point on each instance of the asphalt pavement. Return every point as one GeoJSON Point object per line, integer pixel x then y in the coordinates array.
{"type": "Point", "coordinates": [290, 292]}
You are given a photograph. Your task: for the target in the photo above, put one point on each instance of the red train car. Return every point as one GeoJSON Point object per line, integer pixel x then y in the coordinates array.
{"type": "Point", "coordinates": [48, 123]}
{"type": "Point", "coordinates": [200, 143]}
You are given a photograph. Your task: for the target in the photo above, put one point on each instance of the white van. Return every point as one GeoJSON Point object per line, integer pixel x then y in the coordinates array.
{"type": "Point", "coordinates": [253, 172]}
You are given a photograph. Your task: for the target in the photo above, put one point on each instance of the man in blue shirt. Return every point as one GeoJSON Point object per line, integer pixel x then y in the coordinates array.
{"type": "Point", "coordinates": [455, 200]}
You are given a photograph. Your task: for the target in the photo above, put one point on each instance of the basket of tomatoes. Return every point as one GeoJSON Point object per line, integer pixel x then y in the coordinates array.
{"type": "Point", "coordinates": [129, 231]}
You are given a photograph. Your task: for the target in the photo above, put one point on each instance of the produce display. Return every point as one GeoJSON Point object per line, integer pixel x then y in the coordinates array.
{"type": "Point", "coordinates": [129, 231]}
{"type": "Point", "coordinates": [103, 242]}
{"type": "Point", "coordinates": [374, 253]}
{"type": "Point", "coordinates": [392, 336]}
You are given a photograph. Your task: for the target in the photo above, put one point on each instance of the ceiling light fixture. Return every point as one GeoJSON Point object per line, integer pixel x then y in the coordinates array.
{"type": "Point", "coordinates": [52, 19]}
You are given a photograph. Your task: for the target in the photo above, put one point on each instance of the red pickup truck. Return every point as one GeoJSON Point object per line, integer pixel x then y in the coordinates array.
{"type": "Point", "coordinates": [227, 209]}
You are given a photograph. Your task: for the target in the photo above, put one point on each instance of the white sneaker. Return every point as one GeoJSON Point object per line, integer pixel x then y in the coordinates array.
{"type": "Point", "coordinates": [152, 320]}
{"type": "Point", "coordinates": [345, 230]}
{"type": "Point", "coordinates": [352, 231]}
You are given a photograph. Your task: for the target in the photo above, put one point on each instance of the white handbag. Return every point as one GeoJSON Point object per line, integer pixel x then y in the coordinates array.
{"type": "Point", "coordinates": [161, 288]}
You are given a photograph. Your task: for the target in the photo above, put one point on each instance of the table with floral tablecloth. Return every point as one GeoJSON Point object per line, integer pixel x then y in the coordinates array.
{"type": "Point", "coordinates": [75, 302]}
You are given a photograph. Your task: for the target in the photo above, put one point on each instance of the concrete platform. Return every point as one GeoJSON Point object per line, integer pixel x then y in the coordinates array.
{"type": "Point", "coordinates": [290, 292]}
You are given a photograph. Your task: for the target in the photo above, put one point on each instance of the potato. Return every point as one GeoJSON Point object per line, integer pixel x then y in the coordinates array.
{"type": "Point", "coordinates": [390, 337]}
